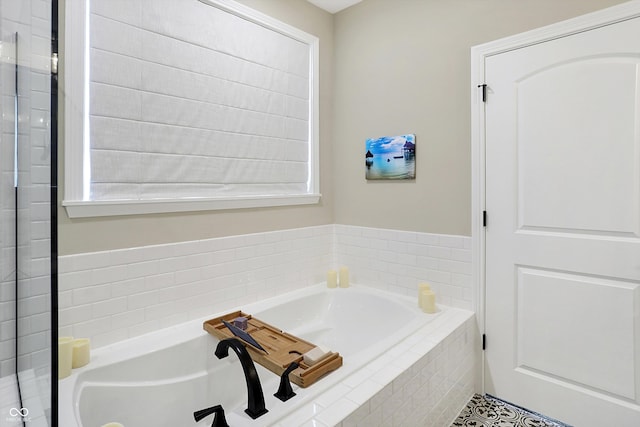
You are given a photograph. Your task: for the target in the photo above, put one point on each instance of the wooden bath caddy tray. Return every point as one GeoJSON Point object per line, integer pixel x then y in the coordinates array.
{"type": "Point", "coordinates": [282, 349]}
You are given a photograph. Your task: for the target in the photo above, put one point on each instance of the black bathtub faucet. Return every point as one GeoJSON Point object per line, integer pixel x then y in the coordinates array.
{"type": "Point", "coordinates": [256, 405]}
{"type": "Point", "coordinates": [218, 419]}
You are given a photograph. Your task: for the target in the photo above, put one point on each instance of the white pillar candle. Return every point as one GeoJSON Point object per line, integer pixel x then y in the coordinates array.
{"type": "Point", "coordinates": [428, 301]}
{"type": "Point", "coordinates": [344, 277]}
{"type": "Point", "coordinates": [81, 352]}
{"type": "Point", "coordinates": [422, 287]}
{"type": "Point", "coordinates": [112, 425]}
{"type": "Point", "coordinates": [332, 279]}
{"type": "Point", "coordinates": [65, 356]}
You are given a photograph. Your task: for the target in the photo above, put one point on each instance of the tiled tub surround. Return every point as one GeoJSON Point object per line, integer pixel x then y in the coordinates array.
{"type": "Point", "coordinates": [114, 295]}
{"type": "Point", "coordinates": [424, 381]}
{"type": "Point", "coordinates": [398, 260]}
{"type": "Point", "coordinates": [419, 373]}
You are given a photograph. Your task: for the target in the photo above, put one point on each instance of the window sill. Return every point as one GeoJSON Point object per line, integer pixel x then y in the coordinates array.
{"type": "Point", "coordinates": [86, 209]}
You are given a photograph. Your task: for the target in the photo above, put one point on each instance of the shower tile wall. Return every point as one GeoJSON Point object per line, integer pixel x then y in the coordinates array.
{"type": "Point", "coordinates": [31, 20]}
{"type": "Point", "coordinates": [114, 295]}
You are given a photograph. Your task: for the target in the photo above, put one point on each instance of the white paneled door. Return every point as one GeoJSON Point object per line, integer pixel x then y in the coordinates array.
{"type": "Point", "coordinates": [562, 272]}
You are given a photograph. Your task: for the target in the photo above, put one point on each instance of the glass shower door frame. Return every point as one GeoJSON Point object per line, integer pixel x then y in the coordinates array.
{"type": "Point", "coordinates": [28, 43]}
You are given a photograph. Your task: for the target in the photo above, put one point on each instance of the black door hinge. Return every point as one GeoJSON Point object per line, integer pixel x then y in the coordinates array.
{"type": "Point", "coordinates": [484, 218]}
{"type": "Point", "coordinates": [484, 342]}
{"type": "Point", "coordinates": [484, 92]}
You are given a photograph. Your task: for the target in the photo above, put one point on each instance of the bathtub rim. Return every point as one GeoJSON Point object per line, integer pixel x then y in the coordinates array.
{"type": "Point", "coordinates": [182, 332]}
{"type": "Point", "coordinates": [70, 387]}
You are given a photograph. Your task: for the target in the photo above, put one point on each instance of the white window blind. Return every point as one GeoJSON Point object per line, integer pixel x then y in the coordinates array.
{"type": "Point", "coordinates": [191, 101]}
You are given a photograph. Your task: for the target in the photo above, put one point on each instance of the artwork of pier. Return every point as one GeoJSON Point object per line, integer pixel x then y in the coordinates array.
{"type": "Point", "coordinates": [390, 157]}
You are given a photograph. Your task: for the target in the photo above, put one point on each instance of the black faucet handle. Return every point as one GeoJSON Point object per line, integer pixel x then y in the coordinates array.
{"type": "Point", "coordinates": [285, 391]}
{"type": "Point", "coordinates": [218, 420]}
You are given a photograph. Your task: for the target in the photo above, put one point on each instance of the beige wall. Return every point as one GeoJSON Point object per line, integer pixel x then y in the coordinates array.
{"type": "Point", "coordinates": [104, 233]}
{"type": "Point", "coordinates": [403, 66]}
{"type": "Point", "coordinates": [397, 66]}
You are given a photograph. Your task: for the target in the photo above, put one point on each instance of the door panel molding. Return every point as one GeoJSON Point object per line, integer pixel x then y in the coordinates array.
{"type": "Point", "coordinates": [585, 351]}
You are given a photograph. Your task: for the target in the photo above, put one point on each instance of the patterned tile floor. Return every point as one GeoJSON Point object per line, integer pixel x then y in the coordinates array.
{"type": "Point", "coordinates": [486, 411]}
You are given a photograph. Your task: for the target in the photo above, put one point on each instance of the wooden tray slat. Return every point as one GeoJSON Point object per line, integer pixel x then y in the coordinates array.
{"type": "Point", "coordinates": [282, 348]}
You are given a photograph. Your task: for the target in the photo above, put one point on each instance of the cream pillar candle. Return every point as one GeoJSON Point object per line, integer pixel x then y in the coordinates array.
{"type": "Point", "coordinates": [344, 277]}
{"type": "Point", "coordinates": [428, 301]}
{"type": "Point", "coordinates": [422, 287]}
{"type": "Point", "coordinates": [332, 279]}
{"type": "Point", "coordinates": [112, 425]}
{"type": "Point", "coordinates": [81, 352]}
{"type": "Point", "coordinates": [65, 356]}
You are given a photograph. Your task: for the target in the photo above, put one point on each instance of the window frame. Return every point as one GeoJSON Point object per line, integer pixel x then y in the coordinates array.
{"type": "Point", "coordinates": [76, 196]}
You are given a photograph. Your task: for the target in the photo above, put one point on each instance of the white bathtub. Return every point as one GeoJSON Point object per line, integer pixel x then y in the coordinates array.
{"type": "Point", "coordinates": [161, 378]}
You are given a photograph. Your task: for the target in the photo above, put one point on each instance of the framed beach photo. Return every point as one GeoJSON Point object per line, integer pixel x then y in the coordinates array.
{"type": "Point", "coordinates": [390, 157]}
